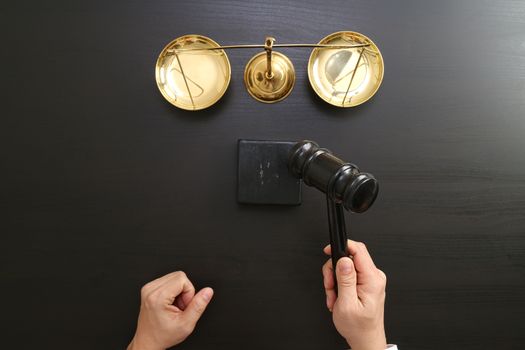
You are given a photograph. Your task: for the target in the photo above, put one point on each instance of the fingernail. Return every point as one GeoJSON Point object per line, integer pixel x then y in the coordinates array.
{"type": "Point", "coordinates": [345, 266]}
{"type": "Point", "coordinates": [207, 294]}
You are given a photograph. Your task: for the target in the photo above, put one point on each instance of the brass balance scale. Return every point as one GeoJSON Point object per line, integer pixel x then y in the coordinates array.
{"type": "Point", "coordinates": [345, 69]}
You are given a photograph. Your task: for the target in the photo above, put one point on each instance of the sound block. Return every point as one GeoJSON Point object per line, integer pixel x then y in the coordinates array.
{"type": "Point", "coordinates": [263, 175]}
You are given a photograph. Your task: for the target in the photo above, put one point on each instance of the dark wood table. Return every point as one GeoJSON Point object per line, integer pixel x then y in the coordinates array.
{"type": "Point", "coordinates": [105, 186]}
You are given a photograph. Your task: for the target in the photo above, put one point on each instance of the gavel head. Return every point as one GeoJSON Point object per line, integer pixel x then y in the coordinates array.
{"type": "Point", "coordinates": [341, 181]}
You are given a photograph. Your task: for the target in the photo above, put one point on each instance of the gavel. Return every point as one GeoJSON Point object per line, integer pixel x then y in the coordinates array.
{"type": "Point", "coordinates": [343, 183]}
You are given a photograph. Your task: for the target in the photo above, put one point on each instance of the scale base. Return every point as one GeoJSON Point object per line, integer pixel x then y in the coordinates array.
{"type": "Point", "coordinates": [265, 89]}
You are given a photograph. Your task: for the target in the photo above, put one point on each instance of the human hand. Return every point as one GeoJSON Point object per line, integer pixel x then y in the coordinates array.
{"type": "Point", "coordinates": [169, 311]}
{"type": "Point", "coordinates": [358, 308]}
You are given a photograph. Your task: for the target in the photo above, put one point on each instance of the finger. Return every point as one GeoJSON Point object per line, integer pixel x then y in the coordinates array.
{"type": "Point", "coordinates": [156, 283]}
{"type": "Point", "coordinates": [362, 260]}
{"type": "Point", "coordinates": [179, 303]}
{"type": "Point", "coordinates": [178, 285]}
{"type": "Point", "coordinates": [186, 296]}
{"type": "Point", "coordinates": [329, 284]}
{"type": "Point", "coordinates": [346, 280]}
{"type": "Point", "coordinates": [183, 299]}
{"type": "Point", "coordinates": [196, 307]}
{"type": "Point", "coordinates": [328, 275]}
{"type": "Point", "coordinates": [361, 257]}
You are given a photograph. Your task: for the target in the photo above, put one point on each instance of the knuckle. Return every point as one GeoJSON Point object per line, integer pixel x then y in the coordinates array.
{"type": "Point", "coordinates": [382, 281]}
{"type": "Point", "coordinates": [145, 290]}
{"type": "Point", "coordinates": [382, 276]}
{"type": "Point", "coordinates": [150, 300]}
{"type": "Point", "coordinates": [180, 274]}
{"type": "Point", "coordinates": [361, 245]}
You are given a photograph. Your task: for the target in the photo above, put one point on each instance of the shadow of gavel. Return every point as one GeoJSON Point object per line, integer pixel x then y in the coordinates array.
{"type": "Point", "coordinates": [344, 185]}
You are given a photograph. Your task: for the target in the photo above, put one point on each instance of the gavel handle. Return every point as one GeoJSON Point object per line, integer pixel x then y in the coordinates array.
{"type": "Point", "coordinates": [338, 236]}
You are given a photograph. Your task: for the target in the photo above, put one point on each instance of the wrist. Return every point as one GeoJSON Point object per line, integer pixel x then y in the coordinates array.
{"type": "Point", "coordinates": [139, 343]}
{"type": "Point", "coordinates": [373, 341]}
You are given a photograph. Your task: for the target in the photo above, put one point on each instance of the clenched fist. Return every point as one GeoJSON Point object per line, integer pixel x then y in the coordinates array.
{"type": "Point", "coordinates": [358, 306]}
{"type": "Point", "coordinates": [169, 311]}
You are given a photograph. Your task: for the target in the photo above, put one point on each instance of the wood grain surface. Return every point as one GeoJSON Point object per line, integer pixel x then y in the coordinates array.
{"type": "Point", "coordinates": [105, 186]}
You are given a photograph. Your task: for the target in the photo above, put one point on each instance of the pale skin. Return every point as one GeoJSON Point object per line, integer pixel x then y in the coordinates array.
{"type": "Point", "coordinates": [169, 311]}
{"type": "Point", "coordinates": [170, 306]}
{"type": "Point", "coordinates": [358, 308]}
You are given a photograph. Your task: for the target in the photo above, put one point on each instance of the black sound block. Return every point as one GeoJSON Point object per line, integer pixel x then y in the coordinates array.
{"type": "Point", "coordinates": [263, 175]}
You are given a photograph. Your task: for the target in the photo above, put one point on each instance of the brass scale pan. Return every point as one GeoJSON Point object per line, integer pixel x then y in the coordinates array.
{"type": "Point", "coordinates": [345, 69]}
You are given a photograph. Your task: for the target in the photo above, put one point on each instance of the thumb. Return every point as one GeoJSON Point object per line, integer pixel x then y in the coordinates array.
{"type": "Point", "coordinates": [346, 279]}
{"type": "Point", "coordinates": [197, 305]}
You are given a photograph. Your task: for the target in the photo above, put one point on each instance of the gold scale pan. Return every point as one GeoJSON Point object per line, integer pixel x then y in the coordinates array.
{"type": "Point", "coordinates": [345, 69]}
